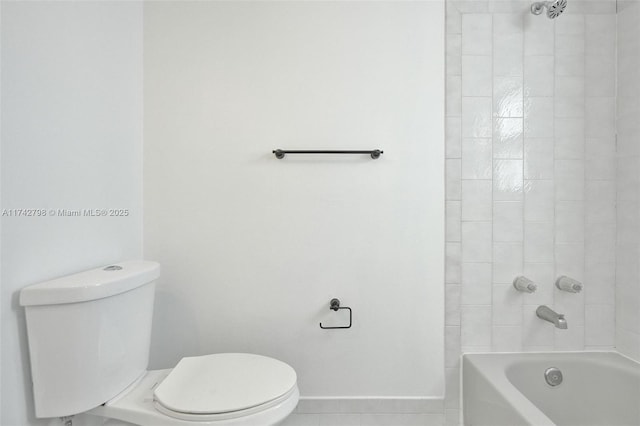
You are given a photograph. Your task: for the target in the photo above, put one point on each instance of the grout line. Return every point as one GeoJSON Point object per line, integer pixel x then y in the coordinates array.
{"type": "Point", "coordinates": [524, 194]}
{"type": "Point", "coordinates": [584, 183]}
{"type": "Point", "coordinates": [493, 55]}
{"type": "Point", "coordinates": [555, 203]}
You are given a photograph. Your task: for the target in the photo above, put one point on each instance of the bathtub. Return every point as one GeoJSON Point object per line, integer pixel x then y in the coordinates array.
{"type": "Point", "coordinates": [598, 388]}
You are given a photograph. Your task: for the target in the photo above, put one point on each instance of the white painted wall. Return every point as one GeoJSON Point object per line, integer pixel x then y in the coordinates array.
{"type": "Point", "coordinates": [71, 139]}
{"type": "Point", "coordinates": [253, 248]}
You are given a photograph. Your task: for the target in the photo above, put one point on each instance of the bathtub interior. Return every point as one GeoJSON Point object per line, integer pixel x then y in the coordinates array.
{"type": "Point", "coordinates": [597, 389]}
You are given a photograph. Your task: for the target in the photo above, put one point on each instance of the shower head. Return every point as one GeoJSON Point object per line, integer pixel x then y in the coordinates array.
{"type": "Point", "coordinates": [554, 8]}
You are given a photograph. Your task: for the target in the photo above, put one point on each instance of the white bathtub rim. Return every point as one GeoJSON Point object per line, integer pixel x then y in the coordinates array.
{"type": "Point", "coordinates": [503, 386]}
{"type": "Point", "coordinates": [496, 376]}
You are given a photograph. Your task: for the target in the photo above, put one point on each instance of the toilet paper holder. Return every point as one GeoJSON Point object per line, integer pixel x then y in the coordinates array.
{"type": "Point", "coordinates": [334, 305]}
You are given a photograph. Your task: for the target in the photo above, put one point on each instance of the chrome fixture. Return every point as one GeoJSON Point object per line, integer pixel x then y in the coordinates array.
{"type": "Point", "coordinates": [547, 314]}
{"type": "Point", "coordinates": [280, 153]}
{"type": "Point", "coordinates": [334, 305]}
{"type": "Point", "coordinates": [553, 376]}
{"type": "Point", "coordinates": [570, 285]}
{"type": "Point", "coordinates": [524, 284]}
{"type": "Point", "coordinates": [112, 268]}
{"type": "Point", "coordinates": [554, 8]}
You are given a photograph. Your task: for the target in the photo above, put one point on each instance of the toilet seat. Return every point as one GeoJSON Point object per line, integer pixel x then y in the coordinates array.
{"type": "Point", "coordinates": [137, 405]}
{"type": "Point", "coordinates": [224, 386]}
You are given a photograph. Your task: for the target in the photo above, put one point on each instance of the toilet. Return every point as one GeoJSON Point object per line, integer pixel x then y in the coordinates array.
{"type": "Point", "coordinates": [89, 336]}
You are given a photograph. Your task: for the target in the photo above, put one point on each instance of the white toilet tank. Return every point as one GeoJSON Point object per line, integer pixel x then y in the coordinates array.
{"type": "Point", "coordinates": [89, 335]}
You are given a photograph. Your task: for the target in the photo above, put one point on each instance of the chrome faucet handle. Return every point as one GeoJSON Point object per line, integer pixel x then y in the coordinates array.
{"type": "Point", "coordinates": [524, 284]}
{"type": "Point", "coordinates": [569, 285]}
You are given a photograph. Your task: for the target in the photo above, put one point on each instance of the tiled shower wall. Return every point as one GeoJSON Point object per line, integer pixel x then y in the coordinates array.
{"type": "Point", "coordinates": [628, 183]}
{"type": "Point", "coordinates": [531, 170]}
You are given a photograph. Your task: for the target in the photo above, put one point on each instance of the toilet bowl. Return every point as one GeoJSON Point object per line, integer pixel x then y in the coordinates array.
{"type": "Point", "coordinates": [89, 336]}
{"type": "Point", "coordinates": [251, 390]}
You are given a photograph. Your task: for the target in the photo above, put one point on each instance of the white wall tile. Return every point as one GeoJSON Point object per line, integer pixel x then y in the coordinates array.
{"type": "Point", "coordinates": [539, 196]}
{"type": "Point", "coordinates": [507, 338]}
{"type": "Point", "coordinates": [476, 284]}
{"type": "Point", "coordinates": [569, 44]}
{"type": "Point", "coordinates": [570, 127]}
{"type": "Point", "coordinates": [570, 339]}
{"type": "Point", "coordinates": [476, 117]}
{"type": "Point", "coordinates": [508, 221]}
{"type": "Point", "coordinates": [453, 257]}
{"type": "Point", "coordinates": [600, 76]}
{"type": "Point", "coordinates": [571, 305]}
{"type": "Point", "coordinates": [508, 94]}
{"type": "Point", "coordinates": [538, 73]}
{"type": "Point", "coordinates": [477, 78]}
{"type": "Point", "coordinates": [453, 44]}
{"type": "Point", "coordinates": [452, 305]}
{"type": "Point", "coordinates": [453, 217]}
{"type": "Point", "coordinates": [600, 117]}
{"type": "Point", "coordinates": [570, 65]}
{"type": "Point", "coordinates": [453, 138]}
{"type": "Point", "coordinates": [507, 305]}
{"type": "Point", "coordinates": [538, 117]}
{"type": "Point", "coordinates": [507, 24]}
{"type": "Point", "coordinates": [543, 274]}
{"type": "Point", "coordinates": [569, 221]}
{"type": "Point", "coordinates": [453, 64]}
{"type": "Point", "coordinates": [476, 34]}
{"type": "Point", "coordinates": [453, 96]}
{"type": "Point", "coordinates": [453, 181]}
{"type": "Point", "coordinates": [600, 163]}
{"type": "Point", "coordinates": [600, 325]}
{"type": "Point", "coordinates": [538, 242]}
{"type": "Point", "coordinates": [538, 36]}
{"type": "Point", "coordinates": [569, 179]}
{"type": "Point", "coordinates": [569, 86]}
{"type": "Point", "coordinates": [535, 332]}
{"type": "Point", "coordinates": [508, 65]}
{"type": "Point", "coordinates": [476, 241]}
{"type": "Point", "coordinates": [453, 19]}
{"type": "Point", "coordinates": [570, 147]}
{"type": "Point", "coordinates": [508, 180]}
{"type": "Point", "coordinates": [569, 259]}
{"type": "Point", "coordinates": [571, 24]}
{"type": "Point", "coordinates": [599, 283]}
{"type": "Point", "coordinates": [538, 158]}
{"type": "Point", "coordinates": [452, 346]}
{"type": "Point", "coordinates": [508, 261]}
{"type": "Point", "coordinates": [601, 201]}
{"type": "Point", "coordinates": [477, 158]}
{"type": "Point", "coordinates": [568, 107]}
{"type": "Point", "coordinates": [452, 387]}
{"type": "Point", "coordinates": [600, 243]}
{"type": "Point", "coordinates": [599, 37]}
{"type": "Point", "coordinates": [476, 326]}
{"type": "Point", "coordinates": [507, 43]}
{"type": "Point", "coordinates": [476, 200]}
{"type": "Point", "coordinates": [508, 137]}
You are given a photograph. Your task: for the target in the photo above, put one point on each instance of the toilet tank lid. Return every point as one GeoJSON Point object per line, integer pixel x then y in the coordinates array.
{"type": "Point", "coordinates": [94, 284]}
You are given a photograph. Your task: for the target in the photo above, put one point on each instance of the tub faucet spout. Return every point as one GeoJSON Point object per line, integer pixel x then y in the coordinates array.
{"type": "Point", "coordinates": [547, 314]}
